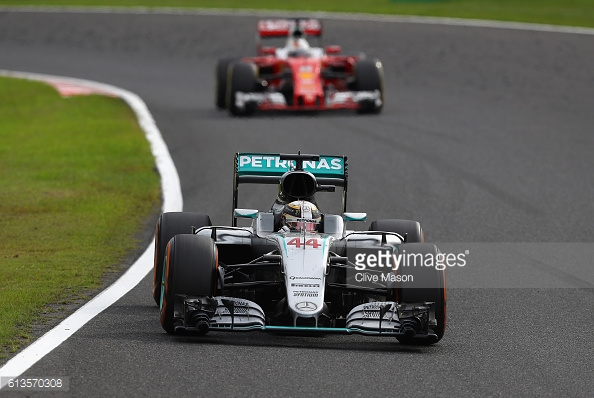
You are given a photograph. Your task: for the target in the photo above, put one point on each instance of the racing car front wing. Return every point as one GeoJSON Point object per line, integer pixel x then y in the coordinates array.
{"type": "Point", "coordinates": [336, 100]}
{"type": "Point", "coordinates": [202, 314]}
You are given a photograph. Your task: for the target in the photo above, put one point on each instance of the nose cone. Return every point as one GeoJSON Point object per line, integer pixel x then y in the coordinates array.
{"type": "Point", "coordinates": [305, 261]}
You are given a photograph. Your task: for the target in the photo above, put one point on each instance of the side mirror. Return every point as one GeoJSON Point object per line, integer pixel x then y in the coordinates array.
{"type": "Point", "coordinates": [333, 224]}
{"type": "Point", "coordinates": [245, 213]}
{"type": "Point", "coordinates": [355, 216]}
{"type": "Point", "coordinates": [265, 222]}
{"type": "Point", "coordinates": [333, 50]}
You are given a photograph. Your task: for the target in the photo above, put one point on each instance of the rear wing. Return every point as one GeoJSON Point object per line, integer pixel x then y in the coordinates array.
{"type": "Point", "coordinates": [283, 27]}
{"type": "Point", "coordinates": [268, 168]}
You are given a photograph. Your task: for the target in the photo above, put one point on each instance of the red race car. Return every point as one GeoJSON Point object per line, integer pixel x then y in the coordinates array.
{"type": "Point", "coordinates": [298, 76]}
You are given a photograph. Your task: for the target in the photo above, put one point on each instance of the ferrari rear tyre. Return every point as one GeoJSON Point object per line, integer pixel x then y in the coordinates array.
{"type": "Point", "coordinates": [369, 76]}
{"type": "Point", "coordinates": [424, 283]}
{"type": "Point", "coordinates": [191, 269]}
{"type": "Point", "coordinates": [221, 74]}
{"type": "Point", "coordinates": [169, 225]}
{"type": "Point", "coordinates": [241, 79]}
{"type": "Point", "coordinates": [411, 230]}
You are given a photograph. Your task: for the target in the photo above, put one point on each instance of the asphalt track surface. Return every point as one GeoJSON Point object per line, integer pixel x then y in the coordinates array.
{"type": "Point", "coordinates": [485, 138]}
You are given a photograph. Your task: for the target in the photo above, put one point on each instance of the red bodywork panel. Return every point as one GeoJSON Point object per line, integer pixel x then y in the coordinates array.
{"type": "Point", "coordinates": [309, 82]}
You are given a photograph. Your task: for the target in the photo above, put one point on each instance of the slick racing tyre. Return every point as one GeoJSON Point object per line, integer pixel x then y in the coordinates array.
{"type": "Point", "coordinates": [221, 73]}
{"type": "Point", "coordinates": [410, 230]}
{"type": "Point", "coordinates": [369, 76]}
{"type": "Point", "coordinates": [242, 79]}
{"type": "Point", "coordinates": [191, 269]}
{"type": "Point", "coordinates": [427, 285]}
{"type": "Point", "coordinates": [169, 225]}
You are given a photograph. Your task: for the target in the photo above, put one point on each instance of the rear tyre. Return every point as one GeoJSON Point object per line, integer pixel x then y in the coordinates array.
{"type": "Point", "coordinates": [191, 269]}
{"type": "Point", "coordinates": [411, 229]}
{"type": "Point", "coordinates": [428, 284]}
{"type": "Point", "coordinates": [221, 73]}
{"type": "Point", "coordinates": [369, 76]}
{"type": "Point", "coordinates": [169, 225]}
{"type": "Point", "coordinates": [241, 78]}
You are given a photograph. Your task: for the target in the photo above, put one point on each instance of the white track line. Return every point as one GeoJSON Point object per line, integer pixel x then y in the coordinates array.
{"type": "Point", "coordinates": [477, 23]}
{"type": "Point", "coordinates": [172, 201]}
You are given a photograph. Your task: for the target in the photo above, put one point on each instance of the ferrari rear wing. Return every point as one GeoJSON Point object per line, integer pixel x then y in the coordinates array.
{"type": "Point", "coordinates": [283, 27]}
{"type": "Point", "coordinates": [269, 168]}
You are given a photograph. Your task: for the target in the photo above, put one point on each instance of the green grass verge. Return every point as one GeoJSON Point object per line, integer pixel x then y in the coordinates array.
{"type": "Point", "coordinates": [558, 12]}
{"type": "Point", "coordinates": [77, 182]}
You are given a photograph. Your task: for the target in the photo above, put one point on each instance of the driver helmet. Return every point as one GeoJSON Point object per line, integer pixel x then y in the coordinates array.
{"type": "Point", "coordinates": [301, 215]}
{"type": "Point", "coordinates": [297, 41]}
{"type": "Point", "coordinates": [298, 48]}
{"type": "Point", "coordinates": [299, 44]}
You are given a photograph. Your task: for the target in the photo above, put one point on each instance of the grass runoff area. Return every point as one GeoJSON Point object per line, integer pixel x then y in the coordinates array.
{"type": "Point", "coordinates": [557, 12]}
{"type": "Point", "coordinates": [77, 183]}
{"type": "Point", "coordinates": [77, 178]}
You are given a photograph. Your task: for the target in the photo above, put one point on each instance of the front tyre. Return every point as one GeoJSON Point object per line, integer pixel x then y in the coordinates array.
{"type": "Point", "coordinates": [221, 73]}
{"type": "Point", "coordinates": [241, 79]}
{"type": "Point", "coordinates": [369, 76]}
{"type": "Point", "coordinates": [425, 284]}
{"type": "Point", "coordinates": [169, 225]}
{"type": "Point", "coordinates": [191, 269]}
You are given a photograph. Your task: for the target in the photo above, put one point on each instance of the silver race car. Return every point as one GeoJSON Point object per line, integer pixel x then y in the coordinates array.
{"type": "Point", "coordinates": [295, 268]}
